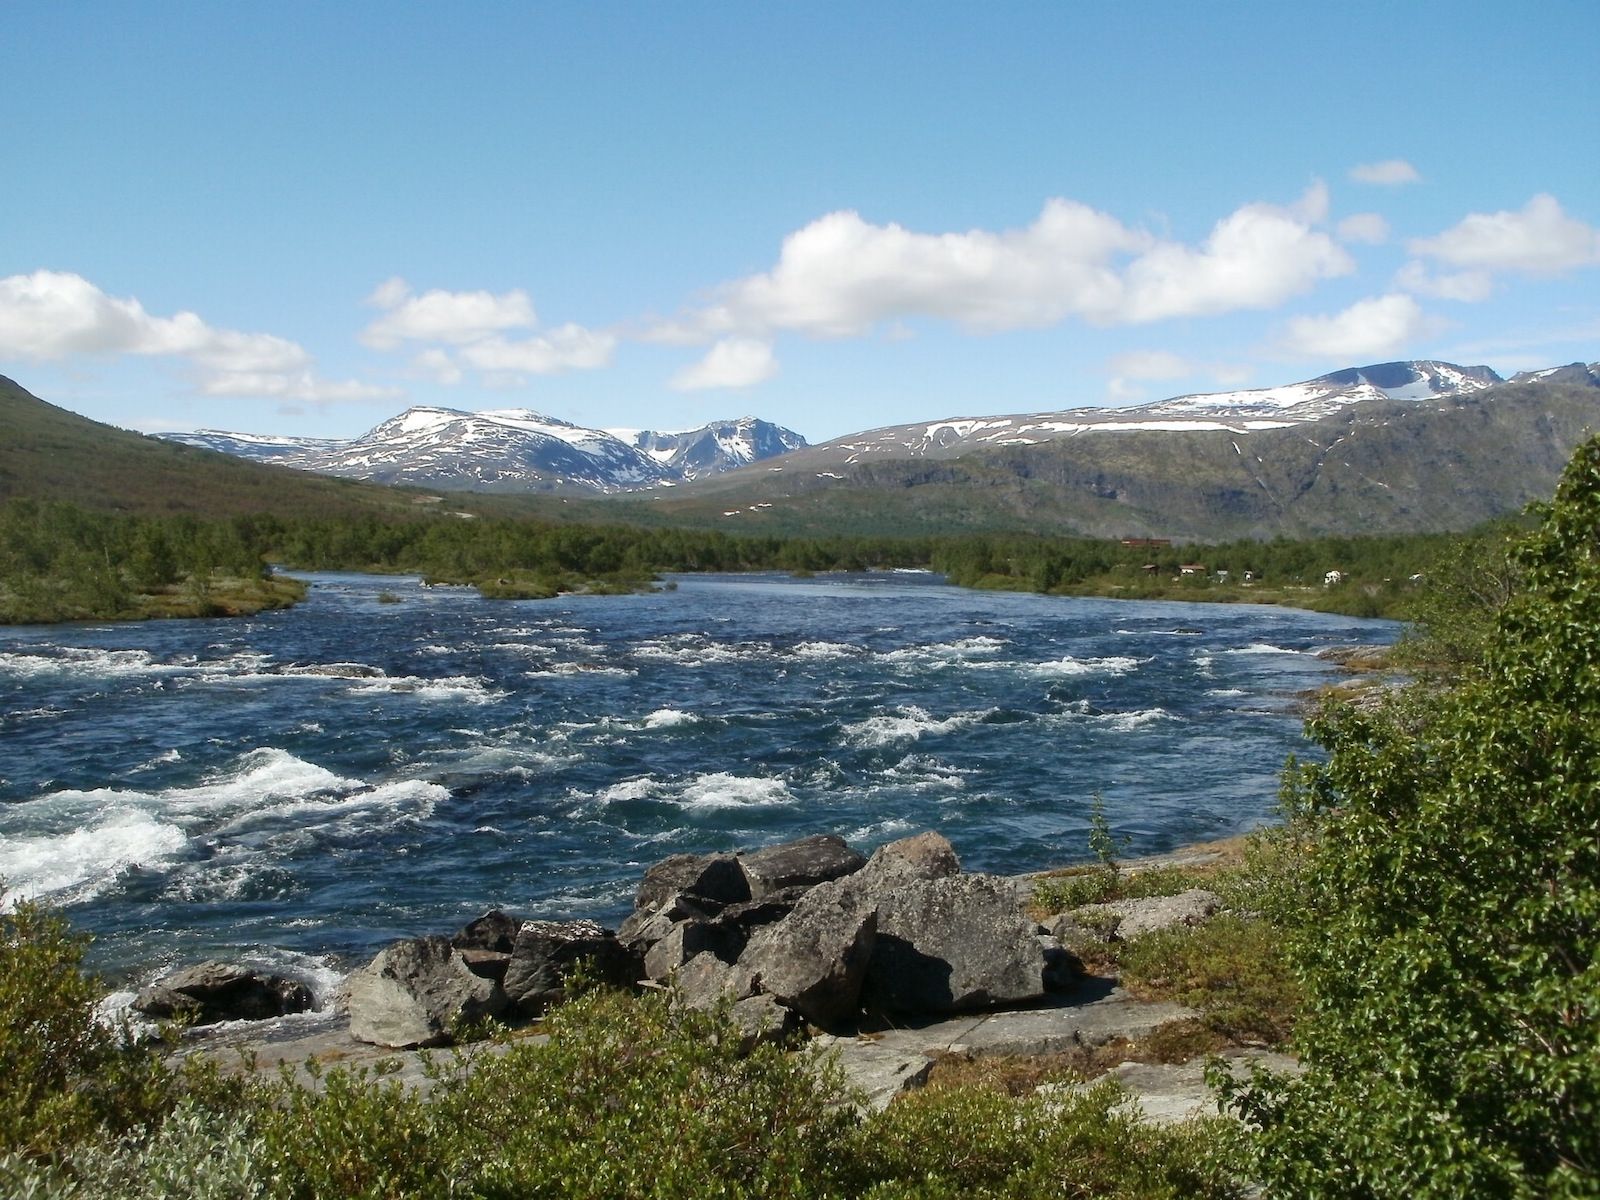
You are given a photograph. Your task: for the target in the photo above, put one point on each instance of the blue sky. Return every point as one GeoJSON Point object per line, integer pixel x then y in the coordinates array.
{"type": "Point", "coordinates": [302, 218]}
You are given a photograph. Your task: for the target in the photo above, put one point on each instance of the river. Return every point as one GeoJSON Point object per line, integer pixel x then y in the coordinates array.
{"type": "Point", "coordinates": [388, 759]}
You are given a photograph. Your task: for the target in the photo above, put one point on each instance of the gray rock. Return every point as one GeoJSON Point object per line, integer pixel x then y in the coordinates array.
{"type": "Point", "coordinates": [761, 1019]}
{"type": "Point", "coordinates": [950, 945]}
{"type": "Point", "coordinates": [715, 879]}
{"type": "Point", "coordinates": [215, 991]}
{"type": "Point", "coordinates": [1062, 968]}
{"type": "Point", "coordinates": [415, 992]}
{"type": "Point", "coordinates": [927, 855]}
{"type": "Point", "coordinates": [647, 926]}
{"type": "Point", "coordinates": [805, 862]}
{"type": "Point", "coordinates": [495, 930]}
{"type": "Point", "coordinates": [705, 981]}
{"type": "Point", "coordinates": [687, 939]}
{"type": "Point", "coordinates": [1136, 917]}
{"type": "Point", "coordinates": [546, 953]}
{"type": "Point", "coordinates": [814, 961]}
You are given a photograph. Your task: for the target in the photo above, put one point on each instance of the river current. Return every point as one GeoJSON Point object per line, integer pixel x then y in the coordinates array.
{"type": "Point", "coordinates": [388, 759]}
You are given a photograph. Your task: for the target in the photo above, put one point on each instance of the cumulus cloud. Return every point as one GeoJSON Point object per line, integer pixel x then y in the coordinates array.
{"type": "Point", "coordinates": [1538, 239]}
{"type": "Point", "coordinates": [440, 316]}
{"type": "Point", "coordinates": [1388, 173]}
{"type": "Point", "coordinates": [1371, 328]}
{"type": "Point", "coordinates": [475, 328]}
{"type": "Point", "coordinates": [53, 314]}
{"type": "Point", "coordinates": [733, 362]}
{"type": "Point", "coordinates": [1467, 286]}
{"type": "Point", "coordinates": [841, 275]}
{"type": "Point", "coordinates": [566, 348]}
{"type": "Point", "coordinates": [1368, 228]}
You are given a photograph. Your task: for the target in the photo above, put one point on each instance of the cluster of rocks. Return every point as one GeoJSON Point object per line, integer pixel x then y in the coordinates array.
{"type": "Point", "coordinates": [808, 931]}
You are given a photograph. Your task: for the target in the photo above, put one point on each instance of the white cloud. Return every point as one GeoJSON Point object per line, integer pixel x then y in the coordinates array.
{"type": "Point", "coordinates": [441, 316]}
{"type": "Point", "coordinates": [841, 275]}
{"type": "Point", "coordinates": [439, 365]}
{"type": "Point", "coordinates": [1256, 257]}
{"type": "Point", "coordinates": [1368, 228]}
{"type": "Point", "coordinates": [1371, 328]}
{"type": "Point", "coordinates": [1467, 286]}
{"type": "Point", "coordinates": [566, 348]}
{"type": "Point", "coordinates": [734, 362]}
{"type": "Point", "coordinates": [54, 314]}
{"type": "Point", "coordinates": [304, 386]}
{"type": "Point", "coordinates": [1151, 364]}
{"type": "Point", "coordinates": [1388, 173]}
{"type": "Point", "coordinates": [1538, 239]}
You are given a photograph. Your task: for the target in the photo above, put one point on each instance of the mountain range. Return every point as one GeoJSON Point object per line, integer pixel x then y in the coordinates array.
{"type": "Point", "coordinates": [1394, 447]}
{"type": "Point", "coordinates": [513, 450]}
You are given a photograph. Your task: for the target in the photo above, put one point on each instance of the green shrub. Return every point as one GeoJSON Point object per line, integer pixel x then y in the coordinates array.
{"type": "Point", "coordinates": [1232, 969]}
{"type": "Point", "coordinates": [979, 1143]}
{"type": "Point", "coordinates": [64, 1075]}
{"type": "Point", "coordinates": [1450, 938]}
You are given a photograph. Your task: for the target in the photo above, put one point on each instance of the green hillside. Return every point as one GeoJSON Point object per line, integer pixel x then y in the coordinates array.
{"type": "Point", "coordinates": [1377, 468]}
{"type": "Point", "coordinates": [48, 453]}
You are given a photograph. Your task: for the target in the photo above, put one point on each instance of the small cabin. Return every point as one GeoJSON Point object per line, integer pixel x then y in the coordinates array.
{"type": "Point", "coordinates": [1191, 568]}
{"type": "Point", "coordinates": [1333, 579]}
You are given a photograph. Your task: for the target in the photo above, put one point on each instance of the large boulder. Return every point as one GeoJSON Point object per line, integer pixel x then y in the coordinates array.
{"type": "Point", "coordinates": [217, 991]}
{"type": "Point", "coordinates": [815, 960]}
{"type": "Point", "coordinates": [546, 953]}
{"type": "Point", "coordinates": [1120, 920]}
{"type": "Point", "coordinates": [713, 879]}
{"type": "Point", "coordinates": [927, 855]}
{"type": "Point", "coordinates": [416, 993]}
{"type": "Point", "coordinates": [803, 863]}
{"type": "Point", "coordinates": [645, 927]}
{"type": "Point", "coordinates": [949, 945]}
{"type": "Point", "coordinates": [495, 930]}
{"type": "Point", "coordinates": [687, 939]}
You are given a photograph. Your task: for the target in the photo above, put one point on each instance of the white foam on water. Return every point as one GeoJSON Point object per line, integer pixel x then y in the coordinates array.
{"type": "Point", "coordinates": [926, 773]}
{"type": "Point", "coordinates": [669, 718]}
{"type": "Point", "coordinates": [694, 651]}
{"type": "Point", "coordinates": [578, 668]}
{"type": "Point", "coordinates": [81, 862]}
{"type": "Point", "coordinates": [1263, 648]}
{"type": "Point", "coordinates": [823, 651]}
{"type": "Point", "coordinates": [907, 725]}
{"type": "Point", "coordinates": [643, 788]}
{"type": "Point", "coordinates": [263, 778]}
{"type": "Point", "coordinates": [464, 689]}
{"type": "Point", "coordinates": [1226, 692]}
{"type": "Point", "coordinates": [90, 662]}
{"type": "Point", "coordinates": [1126, 722]}
{"type": "Point", "coordinates": [942, 654]}
{"type": "Point", "coordinates": [723, 790]}
{"type": "Point", "coordinates": [883, 830]}
{"type": "Point", "coordinates": [162, 759]}
{"type": "Point", "coordinates": [1068, 667]}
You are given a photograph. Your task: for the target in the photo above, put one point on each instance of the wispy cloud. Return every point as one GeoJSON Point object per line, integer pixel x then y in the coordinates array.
{"type": "Point", "coordinates": [1391, 172]}
{"type": "Point", "coordinates": [734, 362]}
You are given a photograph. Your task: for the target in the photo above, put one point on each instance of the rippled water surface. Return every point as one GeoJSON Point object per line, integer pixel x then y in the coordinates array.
{"type": "Point", "coordinates": [307, 785]}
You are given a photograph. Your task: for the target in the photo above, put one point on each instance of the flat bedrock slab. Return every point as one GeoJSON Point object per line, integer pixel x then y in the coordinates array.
{"type": "Point", "coordinates": [887, 1062]}
{"type": "Point", "coordinates": [1170, 1093]}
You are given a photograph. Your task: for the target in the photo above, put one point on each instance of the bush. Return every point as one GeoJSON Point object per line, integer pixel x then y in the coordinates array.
{"type": "Point", "coordinates": [1450, 938]}
{"type": "Point", "coordinates": [64, 1075]}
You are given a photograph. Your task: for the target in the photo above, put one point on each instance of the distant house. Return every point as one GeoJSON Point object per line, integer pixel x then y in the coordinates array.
{"type": "Point", "coordinates": [1249, 576]}
{"type": "Point", "coordinates": [1191, 568]}
{"type": "Point", "coordinates": [1149, 568]}
{"type": "Point", "coordinates": [1333, 578]}
{"type": "Point", "coordinates": [1153, 543]}
{"type": "Point", "coordinates": [1222, 576]}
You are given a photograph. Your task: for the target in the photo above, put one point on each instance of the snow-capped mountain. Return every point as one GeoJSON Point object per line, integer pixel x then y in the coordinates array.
{"type": "Point", "coordinates": [1239, 412]}
{"type": "Point", "coordinates": [714, 448]}
{"type": "Point", "coordinates": [511, 450]}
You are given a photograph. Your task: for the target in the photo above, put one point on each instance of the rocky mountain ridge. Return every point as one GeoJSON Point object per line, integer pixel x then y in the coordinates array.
{"type": "Point", "coordinates": [512, 450]}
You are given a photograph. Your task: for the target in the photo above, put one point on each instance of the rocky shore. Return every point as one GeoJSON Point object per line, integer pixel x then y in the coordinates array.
{"type": "Point", "coordinates": [893, 961]}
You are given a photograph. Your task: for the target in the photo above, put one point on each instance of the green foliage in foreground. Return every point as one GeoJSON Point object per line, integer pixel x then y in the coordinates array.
{"type": "Point", "coordinates": [627, 1099]}
{"type": "Point", "coordinates": [64, 1076]}
{"type": "Point", "coordinates": [1449, 932]}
